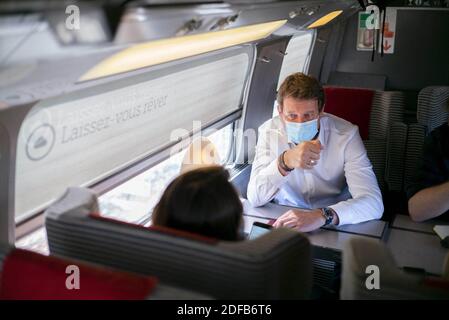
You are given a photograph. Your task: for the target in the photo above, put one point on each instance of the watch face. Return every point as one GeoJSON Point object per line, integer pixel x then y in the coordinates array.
{"type": "Point", "coordinates": [328, 215]}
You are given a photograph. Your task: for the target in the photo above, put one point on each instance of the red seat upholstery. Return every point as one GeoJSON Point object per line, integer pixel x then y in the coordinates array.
{"type": "Point", "coordinates": [31, 276]}
{"type": "Point", "coordinates": [353, 105]}
{"type": "Point", "coordinates": [166, 230]}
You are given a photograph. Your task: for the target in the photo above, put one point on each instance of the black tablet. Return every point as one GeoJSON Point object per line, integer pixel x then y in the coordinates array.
{"type": "Point", "coordinates": [259, 229]}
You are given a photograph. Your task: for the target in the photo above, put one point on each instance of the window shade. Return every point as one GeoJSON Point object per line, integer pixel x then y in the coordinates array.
{"type": "Point", "coordinates": [85, 136]}
{"type": "Point", "coordinates": [297, 51]}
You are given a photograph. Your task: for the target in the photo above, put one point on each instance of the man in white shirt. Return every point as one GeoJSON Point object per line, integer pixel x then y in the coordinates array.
{"type": "Point", "coordinates": [312, 160]}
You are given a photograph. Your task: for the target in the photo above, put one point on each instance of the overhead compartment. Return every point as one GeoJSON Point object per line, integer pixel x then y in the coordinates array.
{"type": "Point", "coordinates": [149, 20]}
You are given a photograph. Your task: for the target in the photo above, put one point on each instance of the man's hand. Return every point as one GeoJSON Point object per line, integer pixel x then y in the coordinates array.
{"type": "Point", "coordinates": [304, 156]}
{"type": "Point", "coordinates": [301, 220]}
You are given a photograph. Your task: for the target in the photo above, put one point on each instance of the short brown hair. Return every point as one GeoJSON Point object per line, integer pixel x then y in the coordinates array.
{"type": "Point", "coordinates": [301, 86]}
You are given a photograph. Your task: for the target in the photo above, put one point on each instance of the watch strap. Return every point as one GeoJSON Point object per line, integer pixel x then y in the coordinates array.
{"type": "Point", "coordinates": [328, 215]}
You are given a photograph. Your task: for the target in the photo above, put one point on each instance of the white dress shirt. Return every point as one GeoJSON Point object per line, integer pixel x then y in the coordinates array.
{"type": "Point", "coordinates": [342, 179]}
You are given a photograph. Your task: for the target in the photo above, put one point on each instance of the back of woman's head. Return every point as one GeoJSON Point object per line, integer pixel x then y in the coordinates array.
{"type": "Point", "coordinates": [202, 201]}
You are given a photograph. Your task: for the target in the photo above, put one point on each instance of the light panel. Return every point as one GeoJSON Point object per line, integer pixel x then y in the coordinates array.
{"type": "Point", "coordinates": [325, 19]}
{"type": "Point", "coordinates": [161, 51]}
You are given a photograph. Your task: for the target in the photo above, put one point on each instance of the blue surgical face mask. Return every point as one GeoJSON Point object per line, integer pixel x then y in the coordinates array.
{"type": "Point", "coordinates": [298, 132]}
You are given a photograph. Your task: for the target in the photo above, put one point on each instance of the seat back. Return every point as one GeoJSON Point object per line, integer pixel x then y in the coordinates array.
{"type": "Point", "coordinates": [29, 275]}
{"type": "Point", "coordinates": [274, 266]}
{"type": "Point", "coordinates": [432, 112]}
{"type": "Point", "coordinates": [395, 170]}
{"type": "Point", "coordinates": [414, 148]}
{"type": "Point", "coordinates": [353, 105]}
{"type": "Point", "coordinates": [362, 256]}
{"type": "Point", "coordinates": [374, 112]}
{"type": "Point", "coordinates": [387, 108]}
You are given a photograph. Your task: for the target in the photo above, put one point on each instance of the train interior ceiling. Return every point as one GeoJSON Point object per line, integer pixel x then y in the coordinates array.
{"type": "Point", "coordinates": [105, 97]}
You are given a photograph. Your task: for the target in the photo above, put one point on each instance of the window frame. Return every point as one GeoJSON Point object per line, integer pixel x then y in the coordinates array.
{"type": "Point", "coordinates": [16, 230]}
{"type": "Point", "coordinates": [306, 64]}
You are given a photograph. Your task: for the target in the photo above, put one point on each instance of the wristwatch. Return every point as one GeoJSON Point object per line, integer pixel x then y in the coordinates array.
{"type": "Point", "coordinates": [328, 215]}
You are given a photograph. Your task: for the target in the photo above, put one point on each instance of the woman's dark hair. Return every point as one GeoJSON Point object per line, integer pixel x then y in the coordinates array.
{"type": "Point", "coordinates": [202, 201]}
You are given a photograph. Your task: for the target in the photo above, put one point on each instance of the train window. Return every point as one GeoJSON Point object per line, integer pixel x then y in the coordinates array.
{"type": "Point", "coordinates": [296, 57]}
{"type": "Point", "coordinates": [85, 136]}
{"type": "Point", "coordinates": [223, 141]}
{"type": "Point", "coordinates": [297, 54]}
{"type": "Point", "coordinates": [34, 241]}
{"type": "Point", "coordinates": [134, 200]}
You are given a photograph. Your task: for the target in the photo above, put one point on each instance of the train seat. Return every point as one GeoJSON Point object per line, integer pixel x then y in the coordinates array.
{"type": "Point", "coordinates": [431, 112]}
{"type": "Point", "coordinates": [360, 259]}
{"type": "Point", "coordinates": [32, 276]}
{"type": "Point", "coordinates": [432, 107]}
{"type": "Point", "coordinates": [274, 266]}
{"type": "Point", "coordinates": [375, 113]}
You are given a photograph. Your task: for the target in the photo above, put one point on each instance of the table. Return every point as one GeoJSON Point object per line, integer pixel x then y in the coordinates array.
{"type": "Point", "coordinates": [414, 244]}
{"type": "Point", "coordinates": [417, 250]}
{"type": "Point", "coordinates": [331, 237]}
{"type": "Point", "coordinates": [327, 242]}
{"type": "Point", "coordinates": [405, 223]}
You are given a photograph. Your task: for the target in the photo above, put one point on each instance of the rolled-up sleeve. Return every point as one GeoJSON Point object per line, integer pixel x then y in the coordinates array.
{"type": "Point", "coordinates": [366, 202]}
{"type": "Point", "coordinates": [265, 179]}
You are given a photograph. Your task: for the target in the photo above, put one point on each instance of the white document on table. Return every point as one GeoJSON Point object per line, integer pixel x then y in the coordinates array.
{"type": "Point", "coordinates": [441, 231]}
